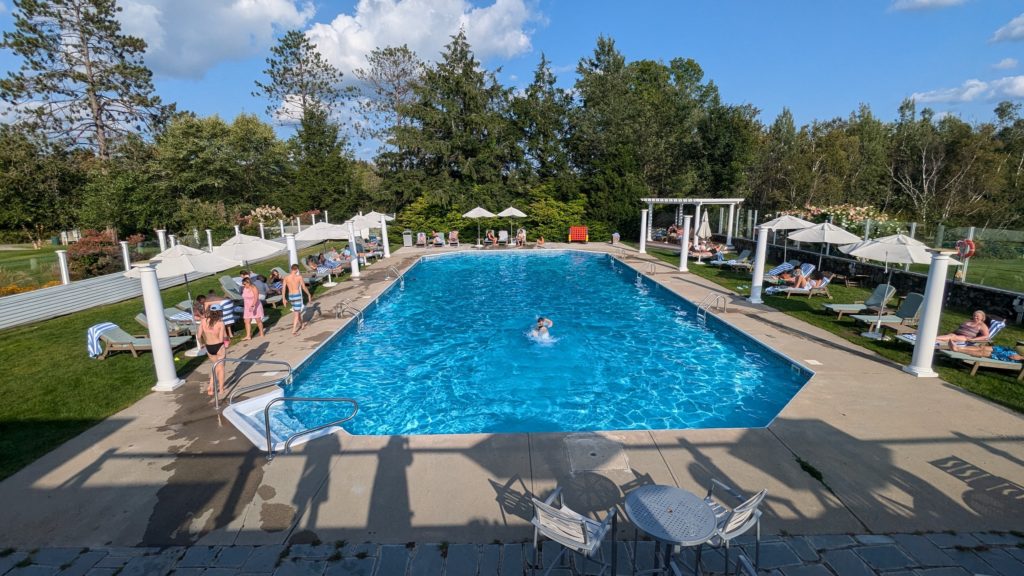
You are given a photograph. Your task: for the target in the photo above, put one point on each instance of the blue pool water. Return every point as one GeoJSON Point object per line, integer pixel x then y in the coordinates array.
{"type": "Point", "coordinates": [452, 354]}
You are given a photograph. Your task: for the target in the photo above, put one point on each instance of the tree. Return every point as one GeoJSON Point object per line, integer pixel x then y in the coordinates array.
{"type": "Point", "coordinates": [389, 81]}
{"type": "Point", "coordinates": [80, 80]}
{"type": "Point", "coordinates": [324, 177]}
{"type": "Point", "coordinates": [299, 79]}
{"type": "Point", "coordinates": [541, 118]}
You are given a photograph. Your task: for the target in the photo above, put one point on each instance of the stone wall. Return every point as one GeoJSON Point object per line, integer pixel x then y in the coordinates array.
{"type": "Point", "coordinates": [958, 295]}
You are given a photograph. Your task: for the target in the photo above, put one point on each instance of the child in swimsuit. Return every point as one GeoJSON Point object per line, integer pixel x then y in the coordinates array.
{"type": "Point", "coordinates": [214, 334]}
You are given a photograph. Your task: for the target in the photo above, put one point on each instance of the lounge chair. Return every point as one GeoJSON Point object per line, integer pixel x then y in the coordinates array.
{"type": "Point", "coordinates": [231, 289]}
{"type": "Point", "coordinates": [421, 239]}
{"type": "Point", "coordinates": [453, 238]}
{"type": "Point", "coordinates": [976, 363]}
{"type": "Point", "coordinates": [174, 328]}
{"type": "Point", "coordinates": [438, 239]}
{"type": "Point", "coordinates": [743, 257]}
{"type": "Point", "coordinates": [878, 299]}
{"type": "Point", "coordinates": [578, 534]}
{"type": "Point", "coordinates": [741, 262]}
{"type": "Point", "coordinates": [819, 290]}
{"type": "Point", "coordinates": [995, 326]}
{"type": "Point", "coordinates": [487, 241]}
{"type": "Point", "coordinates": [907, 314]}
{"type": "Point", "coordinates": [503, 237]}
{"type": "Point", "coordinates": [115, 340]}
{"type": "Point", "coordinates": [775, 272]}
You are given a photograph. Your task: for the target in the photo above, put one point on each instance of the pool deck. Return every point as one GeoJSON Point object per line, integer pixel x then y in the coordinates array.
{"type": "Point", "coordinates": [895, 453]}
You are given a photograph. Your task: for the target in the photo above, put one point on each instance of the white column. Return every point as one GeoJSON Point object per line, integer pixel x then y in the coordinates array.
{"type": "Point", "coordinates": [750, 224]}
{"type": "Point", "coordinates": [195, 236]}
{"type": "Point", "coordinates": [913, 230]}
{"type": "Point", "coordinates": [963, 266]}
{"type": "Point", "coordinates": [867, 228]}
{"type": "Point", "coordinates": [355, 251]}
{"type": "Point", "coordinates": [312, 218]}
{"type": "Point", "coordinates": [650, 220]}
{"type": "Point", "coordinates": [928, 328]}
{"type": "Point", "coordinates": [174, 240]}
{"type": "Point", "coordinates": [298, 224]}
{"type": "Point", "coordinates": [696, 223]}
{"type": "Point", "coordinates": [643, 231]}
{"type": "Point", "coordinates": [684, 244]}
{"type": "Point", "coordinates": [263, 232]}
{"type": "Point", "coordinates": [721, 219]}
{"type": "Point", "coordinates": [280, 224]}
{"type": "Point", "coordinates": [237, 230]}
{"type": "Point", "coordinates": [758, 280]}
{"type": "Point", "coordinates": [383, 234]}
{"type": "Point", "coordinates": [326, 221]}
{"type": "Point", "coordinates": [728, 231]}
{"type": "Point", "coordinates": [163, 357]}
{"type": "Point", "coordinates": [209, 239]}
{"type": "Point", "coordinates": [62, 261]}
{"type": "Point", "coordinates": [125, 255]}
{"type": "Point", "coordinates": [293, 252]}
{"type": "Point", "coordinates": [161, 236]}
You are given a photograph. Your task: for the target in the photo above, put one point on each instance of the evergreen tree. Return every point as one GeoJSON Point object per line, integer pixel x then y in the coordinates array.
{"type": "Point", "coordinates": [389, 81]}
{"type": "Point", "coordinates": [541, 119]}
{"type": "Point", "coordinates": [80, 80]}
{"type": "Point", "coordinates": [324, 176]}
{"type": "Point", "coordinates": [299, 79]}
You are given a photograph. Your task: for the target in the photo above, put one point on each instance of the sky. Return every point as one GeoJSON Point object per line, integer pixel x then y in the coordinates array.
{"type": "Point", "coordinates": [819, 58]}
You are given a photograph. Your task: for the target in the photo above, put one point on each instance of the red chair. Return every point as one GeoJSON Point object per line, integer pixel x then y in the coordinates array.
{"type": "Point", "coordinates": [578, 234]}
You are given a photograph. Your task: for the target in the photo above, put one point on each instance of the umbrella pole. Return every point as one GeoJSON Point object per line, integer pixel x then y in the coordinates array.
{"type": "Point", "coordinates": [330, 281]}
{"type": "Point", "coordinates": [876, 331]}
{"type": "Point", "coordinates": [198, 351]}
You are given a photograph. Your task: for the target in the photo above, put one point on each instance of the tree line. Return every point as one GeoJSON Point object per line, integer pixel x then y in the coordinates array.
{"type": "Point", "coordinates": [94, 146]}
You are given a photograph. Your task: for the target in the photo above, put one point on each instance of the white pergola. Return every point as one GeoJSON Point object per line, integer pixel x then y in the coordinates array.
{"type": "Point", "coordinates": [647, 216]}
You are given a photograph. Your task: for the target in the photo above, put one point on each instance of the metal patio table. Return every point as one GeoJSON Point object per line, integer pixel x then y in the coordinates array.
{"type": "Point", "coordinates": [672, 516]}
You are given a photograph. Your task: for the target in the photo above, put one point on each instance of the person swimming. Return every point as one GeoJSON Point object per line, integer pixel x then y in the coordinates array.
{"type": "Point", "coordinates": [541, 330]}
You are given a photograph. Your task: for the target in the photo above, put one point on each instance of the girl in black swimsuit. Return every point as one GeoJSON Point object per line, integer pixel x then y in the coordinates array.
{"type": "Point", "coordinates": [215, 336]}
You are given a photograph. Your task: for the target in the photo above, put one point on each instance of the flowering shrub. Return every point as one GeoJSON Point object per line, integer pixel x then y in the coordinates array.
{"type": "Point", "coordinates": [19, 288]}
{"type": "Point", "coordinates": [849, 217]}
{"type": "Point", "coordinates": [96, 253]}
{"type": "Point", "coordinates": [265, 214]}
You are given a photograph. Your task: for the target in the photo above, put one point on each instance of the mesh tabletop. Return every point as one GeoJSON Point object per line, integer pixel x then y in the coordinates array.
{"type": "Point", "coordinates": [671, 514]}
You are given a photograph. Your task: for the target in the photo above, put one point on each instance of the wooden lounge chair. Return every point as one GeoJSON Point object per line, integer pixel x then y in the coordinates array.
{"type": "Point", "coordinates": [878, 299]}
{"type": "Point", "coordinates": [974, 362]}
{"type": "Point", "coordinates": [906, 315]}
{"type": "Point", "coordinates": [174, 328]}
{"type": "Point", "coordinates": [117, 340]}
{"type": "Point", "coordinates": [819, 290]}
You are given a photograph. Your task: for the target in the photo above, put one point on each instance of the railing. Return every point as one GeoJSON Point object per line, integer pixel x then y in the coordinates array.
{"type": "Point", "coordinates": [288, 442]}
{"type": "Point", "coordinates": [715, 299]}
{"type": "Point", "coordinates": [339, 310]}
{"type": "Point", "coordinates": [251, 387]}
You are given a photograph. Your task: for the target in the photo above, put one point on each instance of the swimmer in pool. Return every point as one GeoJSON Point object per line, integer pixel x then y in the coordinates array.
{"type": "Point", "coordinates": [541, 331]}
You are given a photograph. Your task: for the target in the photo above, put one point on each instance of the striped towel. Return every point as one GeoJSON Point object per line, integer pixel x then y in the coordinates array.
{"type": "Point", "coordinates": [784, 267]}
{"type": "Point", "coordinates": [228, 309]}
{"type": "Point", "coordinates": [92, 338]}
{"type": "Point", "coordinates": [322, 270]}
{"type": "Point", "coordinates": [182, 317]}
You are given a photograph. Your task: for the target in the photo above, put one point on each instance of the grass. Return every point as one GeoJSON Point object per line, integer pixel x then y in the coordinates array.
{"type": "Point", "coordinates": [28, 266]}
{"type": "Point", "coordinates": [44, 407]}
{"type": "Point", "coordinates": [1005, 274]}
{"type": "Point", "coordinates": [998, 386]}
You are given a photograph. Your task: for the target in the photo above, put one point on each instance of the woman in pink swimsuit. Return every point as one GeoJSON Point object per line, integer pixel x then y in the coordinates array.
{"type": "Point", "coordinates": [974, 330]}
{"type": "Point", "coordinates": [253, 307]}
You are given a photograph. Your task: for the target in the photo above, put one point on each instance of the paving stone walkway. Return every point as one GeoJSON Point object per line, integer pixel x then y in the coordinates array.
{"type": "Point", "coordinates": [933, 554]}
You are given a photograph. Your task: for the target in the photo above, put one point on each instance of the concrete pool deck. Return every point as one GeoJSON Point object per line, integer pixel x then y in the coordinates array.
{"type": "Point", "coordinates": [896, 454]}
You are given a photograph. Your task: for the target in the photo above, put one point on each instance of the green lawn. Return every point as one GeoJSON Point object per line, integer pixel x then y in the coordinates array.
{"type": "Point", "coordinates": [46, 403]}
{"type": "Point", "coordinates": [1005, 274]}
{"type": "Point", "coordinates": [996, 385]}
{"type": "Point", "coordinates": [29, 267]}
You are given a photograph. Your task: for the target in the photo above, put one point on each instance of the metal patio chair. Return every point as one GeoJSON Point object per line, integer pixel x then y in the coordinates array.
{"type": "Point", "coordinates": [578, 535]}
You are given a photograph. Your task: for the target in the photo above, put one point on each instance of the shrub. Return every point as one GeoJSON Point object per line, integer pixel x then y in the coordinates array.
{"type": "Point", "coordinates": [849, 217]}
{"type": "Point", "coordinates": [96, 253]}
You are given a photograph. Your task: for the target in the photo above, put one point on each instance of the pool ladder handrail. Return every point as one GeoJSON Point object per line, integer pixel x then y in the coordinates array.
{"type": "Point", "coordinates": [711, 299]}
{"type": "Point", "coordinates": [288, 442]}
{"type": "Point", "coordinates": [216, 396]}
{"type": "Point", "coordinates": [340, 309]}
{"type": "Point", "coordinates": [398, 274]}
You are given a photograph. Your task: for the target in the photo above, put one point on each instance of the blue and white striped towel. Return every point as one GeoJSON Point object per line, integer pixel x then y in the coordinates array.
{"type": "Point", "coordinates": [92, 338]}
{"type": "Point", "coordinates": [182, 317]}
{"type": "Point", "coordinates": [784, 267]}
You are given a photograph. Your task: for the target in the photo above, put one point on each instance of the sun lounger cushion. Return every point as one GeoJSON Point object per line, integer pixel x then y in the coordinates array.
{"type": "Point", "coordinates": [784, 267]}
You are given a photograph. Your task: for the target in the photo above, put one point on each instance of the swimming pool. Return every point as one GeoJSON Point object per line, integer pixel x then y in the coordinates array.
{"type": "Point", "coordinates": [451, 353]}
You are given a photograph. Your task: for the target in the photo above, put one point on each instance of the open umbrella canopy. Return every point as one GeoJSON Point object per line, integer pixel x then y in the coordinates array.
{"type": "Point", "coordinates": [509, 212]}
{"type": "Point", "coordinates": [322, 231]}
{"type": "Point", "coordinates": [824, 233]}
{"type": "Point", "coordinates": [478, 212]}
{"type": "Point", "coordinates": [374, 216]}
{"type": "Point", "coordinates": [787, 222]}
{"type": "Point", "coordinates": [241, 248]}
{"type": "Point", "coordinates": [180, 260]}
{"type": "Point", "coordinates": [895, 249]}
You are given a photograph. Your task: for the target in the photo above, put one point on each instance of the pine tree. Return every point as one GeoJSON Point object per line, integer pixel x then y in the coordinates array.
{"type": "Point", "coordinates": [80, 80]}
{"type": "Point", "coordinates": [300, 79]}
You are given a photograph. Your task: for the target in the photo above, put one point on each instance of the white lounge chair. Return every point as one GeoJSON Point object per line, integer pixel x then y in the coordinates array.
{"type": "Point", "coordinates": [878, 299]}
{"type": "Point", "coordinates": [503, 237]}
{"type": "Point", "coordinates": [578, 534]}
{"type": "Point", "coordinates": [975, 362]}
{"type": "Point", "coordinates": [744, 256]}
{"type": "Point", "coordinates": [906, 315]}
{"type": "Point", "coordinates": [453, 238]}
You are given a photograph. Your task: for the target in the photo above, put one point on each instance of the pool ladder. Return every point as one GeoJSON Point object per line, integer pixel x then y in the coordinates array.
{"type": "Point", "coordinates": [399, 275]}
{"type": "Point", "coordinates": [356, 313]}
{"type": "Point", "coordinates": [718, 301]}
{"type": "Point", "coordinates": [287, 379]}
{"type": "Point", "coordinates": [288, 442]}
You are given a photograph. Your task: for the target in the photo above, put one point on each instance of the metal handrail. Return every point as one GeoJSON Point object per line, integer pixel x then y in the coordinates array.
{"type": "Point", "coordinates": [391, 269]}
{"type": "Point", "coordinates": [288, 442]}
{"type": "Point", "coordinates": [257, 386]}
{"type": "Point", "coordinates": [216, 394]}
{"type": "Point", "coordinates": [709, 300]}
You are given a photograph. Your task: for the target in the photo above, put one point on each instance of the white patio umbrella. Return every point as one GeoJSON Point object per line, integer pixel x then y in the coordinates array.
{"type": "Point", "coordinates": [242, 248]}
{"type": "Point", "coordinates": [703, 233]}
{"type": "Point", "coordinates": [510, 213]}
{"type": "Point", "coordinates": [322, 232]}
{"type": "Point", "coordinates": [895, 249]}
{"type": "Point", "coordinates": [824, 233]}
{"type": "Point", "coordinates": [181, 260]}
{"type": "Point", "coordinates": [476, 214]}
{"type": "Point", "coordinates": [786, 222]}
{"type": "Point", "coordinates": [374, 216]}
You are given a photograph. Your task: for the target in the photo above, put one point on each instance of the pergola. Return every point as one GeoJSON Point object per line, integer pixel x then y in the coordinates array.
{"type": "Point", "coordinates": [647, 218]}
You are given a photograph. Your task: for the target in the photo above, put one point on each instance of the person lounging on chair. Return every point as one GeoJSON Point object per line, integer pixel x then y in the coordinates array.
{"type": "Point", "coordinates": [421, 239]}
{"type": "Point", "coordinates": [1000, 357]}
{"type": "Point", "coordinates": [453, 238]}
{"type": "Point", "coordinates": [815, 286]}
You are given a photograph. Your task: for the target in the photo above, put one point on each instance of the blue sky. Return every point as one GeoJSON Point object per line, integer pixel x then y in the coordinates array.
{"type": "Point", "coordinates": [819, 58]}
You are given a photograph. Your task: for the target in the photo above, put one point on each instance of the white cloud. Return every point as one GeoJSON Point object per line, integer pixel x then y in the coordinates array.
{"type": "Point", "coordinates": [1006, 64]}
{"type": "Point", "coordinates": [1014, 30]}
{"type": "Point", "coordinates": [1010, 87]}
{"type": "Point", "coordinates": [923, 4]}
{"type": "Point", "coordinates": [188, 37]}
{"type": "Point", "coordinates": [425, 26]}
{"type": "Point", "coordinates": [3, 7]}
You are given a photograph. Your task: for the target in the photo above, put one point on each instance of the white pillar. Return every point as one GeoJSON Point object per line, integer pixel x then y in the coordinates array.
{"type": "Point", "coordinates": [758, 280]}
{"type": "Point", "coordinates": [650, 221]}
{"type": "Point", "coordinates": [237, 230]}
{"type": "Point", "coordinates": [867, 228]}
{"type": "Point", "coordinates": [174, 240]}
{"type": "Point", "coordinates": [963, 266]}
{"type": "Point", "coordinates": [298, 224]}
{"type": "Point", "coordinates": [728, 231]}
{"type": "Point", "coordinates": [263, 232]}
{"type": "Point", "coordinates": [125, 255]}
{"type": "Point", "coordinates": [928, 328]}
{"type": "Point", "coordinates": [913, 230]}
{"type": "Point", "coordinates": [195, 236]}
{"type": "Point", "coordinates": [209, 239]}
{"type": "Point", "coordinates": [696, 222]}
{"type": "Point", "coordinates": [750, 224]}
{"type": "Point", "coordinates": [721, 219]}
{"type": "Point", "coordinates": [684, 244]}
{"type": "Point", "coordinates": [326, 221]}
{"type": "Point", "coordinates": [62, 261]}
{"type": "Point", "coordinates": [383, 234]}
{"type": "Point", "coordinates": [643, 231]}
{"type": "Point", "coordinates": [161, 236]}
{"type": "Point", "coordinates": [280, 224]}
{"type": "Point", "coordinates": [293, 252]}
{"type": "Point", "coordinates": [355, 251]}
{"type": "Point", "coordinates": [312, 218]}
{"type": "Point", "coordinates": [163, 357]}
